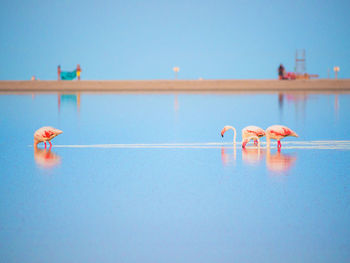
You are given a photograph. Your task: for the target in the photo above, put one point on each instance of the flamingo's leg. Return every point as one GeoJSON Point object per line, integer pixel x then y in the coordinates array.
{"type": "Point", "coordinates": [256, 142]}
{"type": "Point", "coordinates": [279, 145]}
{"type": "Point", "coordinates": [50, 144]}
{"type": "Point", "coordinates": [45, 144]}
{"type": "Point", "coordinates": [244, 144]}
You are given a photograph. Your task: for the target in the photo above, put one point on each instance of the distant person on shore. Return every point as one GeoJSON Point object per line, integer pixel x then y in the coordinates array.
{"type": "Point", "coordinates": [281, 72]}
{"type": "Point", "coordinates": [78, 71]}
{"type": "Point", "coordinates": [59, 72]}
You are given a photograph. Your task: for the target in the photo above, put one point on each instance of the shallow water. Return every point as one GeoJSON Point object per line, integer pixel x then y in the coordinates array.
{"type": "Point", "coordinates": [148, 178]}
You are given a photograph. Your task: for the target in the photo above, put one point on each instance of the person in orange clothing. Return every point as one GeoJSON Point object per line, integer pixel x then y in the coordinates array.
{"type": "Point", "coordinates": [78, 71]}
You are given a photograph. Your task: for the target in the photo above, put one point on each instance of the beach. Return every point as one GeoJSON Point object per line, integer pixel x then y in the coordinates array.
{"type": "Point", "coordinates": [211, 86]}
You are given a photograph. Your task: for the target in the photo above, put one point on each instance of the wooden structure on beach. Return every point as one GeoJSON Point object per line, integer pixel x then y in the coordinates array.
{"type": "Point", "coordinates": [300, 65]}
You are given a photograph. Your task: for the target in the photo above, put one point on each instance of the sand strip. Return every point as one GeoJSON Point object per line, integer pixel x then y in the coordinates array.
{"type": "Point", "coordinates": [159, 86]}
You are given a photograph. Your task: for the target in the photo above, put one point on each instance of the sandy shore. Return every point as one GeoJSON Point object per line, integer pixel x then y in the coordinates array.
{"type": "Point", "coordinates": [160, 86]}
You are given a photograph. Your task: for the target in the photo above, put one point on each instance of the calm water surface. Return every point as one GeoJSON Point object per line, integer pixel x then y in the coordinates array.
{"type": "Point", "coordinates": [148, 178]}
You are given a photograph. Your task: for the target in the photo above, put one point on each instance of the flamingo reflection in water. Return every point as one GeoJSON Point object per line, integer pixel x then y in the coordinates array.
{"type": "Point", "coordinates": [279, 163]}
{"type": "Point", "coordinates": [46, 159]}
{"type": "Point", "coordinates": [228, 158]}
{"type": "Point", "coordinates": [252, 156]}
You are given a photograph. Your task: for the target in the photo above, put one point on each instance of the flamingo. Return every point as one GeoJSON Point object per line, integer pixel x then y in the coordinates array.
{"type": "Point", "coordinates": [246, 136]}
{"type": "Point", "coordinates": [45, 134]}
{"type": "Point", "coordinates": [278, 132]}
{"type": "Point", "coordinates": [251, 132]}
{"type": "Point", "coordinates": [226, 128]}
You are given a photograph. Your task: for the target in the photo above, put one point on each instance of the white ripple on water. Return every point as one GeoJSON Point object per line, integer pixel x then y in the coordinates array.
{"type": "Point", "coordinates": [314, 145]}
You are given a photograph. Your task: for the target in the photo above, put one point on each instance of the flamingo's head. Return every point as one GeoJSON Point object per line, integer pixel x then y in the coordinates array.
{"type": "Point", "coordinates": [225, 129]}
{"type": "Point", "coordinates": [58, 132]}
{"type": "Point", "coordinates": [246, 138]}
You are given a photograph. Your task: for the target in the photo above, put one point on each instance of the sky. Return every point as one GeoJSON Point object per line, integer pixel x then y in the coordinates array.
{"type": "Point", "coordinates": [141, 40]}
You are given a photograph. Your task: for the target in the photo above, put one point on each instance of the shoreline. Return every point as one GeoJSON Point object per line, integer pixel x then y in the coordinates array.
{"type": "Point", "coordinates": [178, 86]}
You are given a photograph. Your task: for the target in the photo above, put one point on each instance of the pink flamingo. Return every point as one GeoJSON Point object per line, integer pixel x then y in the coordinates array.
{"type": "Point", "coordinates": [45, 134]}
{"type": "Point", "coordinates": [226, 128]}
{"type": "Point", "coordinates": [248, 133]}
{"type": "Point", "coordinates": [278, 132]}
{"type": "Point", "coordinates": [251, 132]}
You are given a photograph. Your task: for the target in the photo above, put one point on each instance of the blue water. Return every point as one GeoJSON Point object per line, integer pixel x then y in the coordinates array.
{"type": "Point", "coordinates": [148, 178]}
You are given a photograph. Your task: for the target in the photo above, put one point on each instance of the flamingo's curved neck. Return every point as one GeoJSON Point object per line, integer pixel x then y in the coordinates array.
{"type": "Point", "coordinates": [256, 138]}
{"type": "Point", "coordinates": [234, 134]}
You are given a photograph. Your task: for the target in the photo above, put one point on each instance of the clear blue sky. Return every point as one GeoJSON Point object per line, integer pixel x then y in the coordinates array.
{"type": "Point", "coordinates": [146, 39]}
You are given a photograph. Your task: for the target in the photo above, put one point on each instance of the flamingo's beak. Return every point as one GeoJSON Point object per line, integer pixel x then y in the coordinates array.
{"type": "Point", "coordinates": [295, 135]}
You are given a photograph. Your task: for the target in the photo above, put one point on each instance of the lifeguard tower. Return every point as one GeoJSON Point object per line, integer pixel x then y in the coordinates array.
{"type": "Point", "coordinates": [300, 66]}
